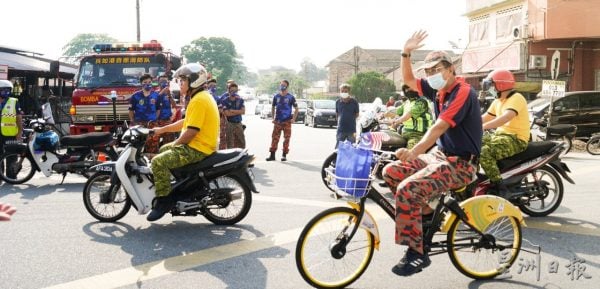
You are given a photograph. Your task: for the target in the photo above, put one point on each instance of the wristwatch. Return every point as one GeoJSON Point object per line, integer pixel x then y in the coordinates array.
{"type": "Point", "coordinates": [405, 55]}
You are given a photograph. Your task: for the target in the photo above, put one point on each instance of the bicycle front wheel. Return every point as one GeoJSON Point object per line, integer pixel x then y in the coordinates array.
{"type": "Point", "coordinates": [325, 257]}
{"type": "Point", "coordinates": [487, 256]}
{"type": "Point", "coordinates": [593, 146]}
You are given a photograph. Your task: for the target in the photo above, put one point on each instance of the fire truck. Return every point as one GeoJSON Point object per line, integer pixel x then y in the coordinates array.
{"type": "Point", "coordinates": [114, 67]}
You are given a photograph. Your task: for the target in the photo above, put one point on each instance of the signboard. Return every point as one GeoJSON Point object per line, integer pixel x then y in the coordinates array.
{"type": "Point", "coordinates": [552, 88]}
{"type": "Point", "coordinates": [555, 64]}
{"type": "Point", "coordinates": [3, 71]}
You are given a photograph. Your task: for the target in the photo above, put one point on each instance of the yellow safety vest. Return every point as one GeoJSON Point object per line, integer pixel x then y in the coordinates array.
{"type": "Point", "coordinates": [8, 119]}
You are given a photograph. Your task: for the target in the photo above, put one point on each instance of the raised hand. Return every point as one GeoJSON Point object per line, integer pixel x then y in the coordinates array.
{"type": "Point", "coordinates": [6, 211]}
{"type": "Point", "coordinates": [414, 42]}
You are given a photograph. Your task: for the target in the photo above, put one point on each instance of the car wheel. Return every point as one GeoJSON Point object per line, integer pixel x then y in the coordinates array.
{"type": "Point", "coordinates": [314, 123]}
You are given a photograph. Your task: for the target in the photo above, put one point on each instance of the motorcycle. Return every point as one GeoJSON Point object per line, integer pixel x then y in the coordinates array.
{"type": "Point", "coordinates": [564, 133]}
{"type": "Point", "coordinates": [592, 146]}
{"type": "Point", "coordinates": [218, 187]}
{"type": "Point", "coordinates": [41, 152]}
{"type": "Point", "coordinates": [375, 135]}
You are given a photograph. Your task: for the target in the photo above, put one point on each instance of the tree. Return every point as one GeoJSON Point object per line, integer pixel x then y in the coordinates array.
{"type": "Point", "coordinates": [269, 84]}
{"type": "Point", "coordinates": [366, 86]}
{"type": "Point", "coordinates": [310, 72]}
{"type": "Point", "coordinates": [217, 54]}
{"type": "Point", "coordinates": [82, 44]}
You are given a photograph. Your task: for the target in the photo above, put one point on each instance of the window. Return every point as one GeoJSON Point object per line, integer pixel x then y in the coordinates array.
{"type": "Point", "coordinates": [567, 103]}
{"type": "Point", "coordinates": [590, 100]}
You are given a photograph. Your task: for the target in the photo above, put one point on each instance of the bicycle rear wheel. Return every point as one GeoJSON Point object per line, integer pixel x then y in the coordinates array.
{"type": "Point", "coordinates": [321, 256]}
{"type": "Point", "coordinates": [593, 146]}
{"type": "Point", "coordinates": [484, 257]}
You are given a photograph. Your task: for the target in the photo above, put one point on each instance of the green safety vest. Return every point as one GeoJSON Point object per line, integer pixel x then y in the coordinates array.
{"type": "Point", "coordinates": [417, 123]}
{"type": "Point", "coordinates": [8, 119]}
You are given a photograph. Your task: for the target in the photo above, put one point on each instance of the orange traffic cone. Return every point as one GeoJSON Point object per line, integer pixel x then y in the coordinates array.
{"type": "Point", "coordinates": [101, 157]}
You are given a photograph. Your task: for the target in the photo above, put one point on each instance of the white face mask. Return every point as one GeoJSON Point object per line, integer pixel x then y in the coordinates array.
{"type": "Point", "coordinates": [436, 81]}
{"type": "Point", "coordinates": [493, 92]}
{"type": "Point", "coordinates": [344, 95]}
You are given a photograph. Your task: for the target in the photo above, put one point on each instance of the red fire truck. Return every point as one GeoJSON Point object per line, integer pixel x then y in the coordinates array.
{"type": "Point", "coordinates": [114, 67]}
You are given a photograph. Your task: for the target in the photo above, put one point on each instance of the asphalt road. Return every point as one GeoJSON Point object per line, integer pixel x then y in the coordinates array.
{"type": "Point", "coordinates": [52, 242]}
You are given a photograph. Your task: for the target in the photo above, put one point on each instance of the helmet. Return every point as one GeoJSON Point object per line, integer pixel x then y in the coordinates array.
{"type": "Point", "coordinates": [502, 78]}
{"type": "Point", "coordinates": [195, 73]}
{"type": "Point", "coordinates": [5, 84]}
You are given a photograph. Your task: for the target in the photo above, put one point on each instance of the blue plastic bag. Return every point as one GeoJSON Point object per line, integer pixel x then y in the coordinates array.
{"type": "Point", "coordinates": [353, 163]}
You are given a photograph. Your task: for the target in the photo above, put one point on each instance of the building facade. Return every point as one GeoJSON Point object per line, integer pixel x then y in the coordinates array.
{"type": "Point", "coordinates": [536, 40]}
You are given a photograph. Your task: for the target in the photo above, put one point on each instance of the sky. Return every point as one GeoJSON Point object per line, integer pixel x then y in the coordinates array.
{"type": "Point", "coordinates": [265, 33]}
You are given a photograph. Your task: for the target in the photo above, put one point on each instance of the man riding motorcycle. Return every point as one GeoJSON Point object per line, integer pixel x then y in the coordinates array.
{"type": "Point", "coordinates": [198, 139]}
{"type": "Point", "coordinates": [508, 116]}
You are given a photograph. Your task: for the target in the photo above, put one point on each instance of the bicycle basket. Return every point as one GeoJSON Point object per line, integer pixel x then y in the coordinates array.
{"type": "Point", "coordinates": [352, 169]}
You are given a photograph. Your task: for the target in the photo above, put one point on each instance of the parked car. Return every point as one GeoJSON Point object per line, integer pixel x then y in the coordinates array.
{"type": "Point", "coordinates": [320, 112]}
{"type": "Point", "coordinates": [258, 108]}
{"type": "Point", "coordinates": [581, 108]}
{"type": "Point", "coordinates": [265, 112]}
{"type": "Point", "coordinates": [302, 105]}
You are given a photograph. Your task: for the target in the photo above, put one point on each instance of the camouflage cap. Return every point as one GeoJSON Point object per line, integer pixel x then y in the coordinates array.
{"type": "Point", "coordinates": [435, 57]}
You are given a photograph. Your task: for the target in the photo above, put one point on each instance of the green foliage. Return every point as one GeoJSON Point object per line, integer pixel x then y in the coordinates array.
{"type": "Point", "coordinates": [218, 55]}
{"type": "Point", "coordinates": [366, 86]}
{"type": "Point", "coordinates": [310, 72]}
{"type": "Point", "coordinates": [82, 44]}
{"type": "Point", "coordinates": [269, 84]}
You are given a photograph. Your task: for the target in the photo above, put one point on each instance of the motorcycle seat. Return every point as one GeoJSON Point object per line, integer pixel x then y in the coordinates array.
{"type": "Point", "coordinates": [211, 160]}
{"type": "Point", "coordinates": [561, 129]}
{"type": "Point", "coordinates": [87, 139]}
{"type": "Point", "coordinates": [534, 149]}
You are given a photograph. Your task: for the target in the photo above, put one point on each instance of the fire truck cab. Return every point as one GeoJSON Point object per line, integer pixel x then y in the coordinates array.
{"type": "Point", "coordinates": [114, 67]}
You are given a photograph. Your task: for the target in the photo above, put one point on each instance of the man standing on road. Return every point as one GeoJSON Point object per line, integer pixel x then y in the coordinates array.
{"type": "Point", "coordinates": [144, 108]}
{"type": "Point", "coordinates": [233, 109]}
{"type": "Point", "coordinates": [418, 177]}
{"type": "Point", "coordinates": [283, 102]}
{"type": "Point", "coordinates": [346, 112]}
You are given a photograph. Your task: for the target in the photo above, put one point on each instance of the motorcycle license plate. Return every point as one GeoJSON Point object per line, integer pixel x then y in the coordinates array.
{"type": "Point", "coordinates": [251, 174]}
{"type": "Point", "coordinates": [104, 168]}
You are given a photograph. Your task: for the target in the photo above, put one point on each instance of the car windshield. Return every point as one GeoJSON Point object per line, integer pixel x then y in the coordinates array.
{"type": "Point", "coordinates": [114, 70]}
{"type": "Point", "coordinates": [325, 104]}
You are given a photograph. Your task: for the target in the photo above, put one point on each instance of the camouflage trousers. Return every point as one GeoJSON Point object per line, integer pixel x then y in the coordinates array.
{"type": "Point", "coordinates": [171, 156]}
{"type": "Point", "coordinates": [223, 132]}
{"type": "Point", "coordinates": [412, 138]}
{"type": "Point", "coordinates": [415, 183]}
{"type": "Point", "coordinates": [495, 147]}
{"type": "Point", "coordinates": [235, 135]}
{"type": "Point", "coordinates": [286, 128]}
{"type": "Point", "coordinates": [152, 145]}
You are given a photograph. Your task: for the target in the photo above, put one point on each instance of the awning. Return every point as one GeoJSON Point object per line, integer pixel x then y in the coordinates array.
{"type": "Point", "coordinates": [19, 65]}
{"type": "Point", "coordinates": [528, 86]}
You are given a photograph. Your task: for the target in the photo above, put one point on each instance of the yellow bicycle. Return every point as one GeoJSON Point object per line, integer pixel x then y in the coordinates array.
{"type": "Point", "coordinates": [483, 235]}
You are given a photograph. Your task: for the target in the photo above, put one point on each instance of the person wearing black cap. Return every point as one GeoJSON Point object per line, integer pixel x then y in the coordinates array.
{"type": "Point", "coordinates": [416, 176]}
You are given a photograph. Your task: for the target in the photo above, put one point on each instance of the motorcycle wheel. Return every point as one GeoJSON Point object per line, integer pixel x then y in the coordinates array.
{"type": "Point", "coordinates": [22, 166]}
{"type": "Point", "coordinates": [593, 146]}
{"type": "Point", "coordinates": [227, 210]}
{"type": "Point", "coordinates": [547, 195]}
{"type": "Point", "coordinates": [328, 163]}
{"type": "Point", "coordinates": [111, 210]}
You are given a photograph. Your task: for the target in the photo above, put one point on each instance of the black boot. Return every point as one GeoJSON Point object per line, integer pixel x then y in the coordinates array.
{"type": "Point", "coordinates": [283, 158]}
{"type": "Point", "coordinates": [160, 206]}
{"type": "Point", "coordinates": [272, 157]}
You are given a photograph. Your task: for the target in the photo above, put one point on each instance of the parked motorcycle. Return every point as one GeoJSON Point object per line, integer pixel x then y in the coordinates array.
{"type": "Point", "coordinates": [374, 135]}
{"type": "Point", "coordinates": [592, 146]}
{"type": "Point", "coordinates": [218, 187]}
{"type": "Point", "coordinates": [41, 152]}
{"type": "Point", "coordinates": [565, 133]}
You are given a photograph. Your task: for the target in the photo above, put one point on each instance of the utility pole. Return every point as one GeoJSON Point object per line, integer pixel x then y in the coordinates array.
{"type": "Point", "coordinates": [137, 11]}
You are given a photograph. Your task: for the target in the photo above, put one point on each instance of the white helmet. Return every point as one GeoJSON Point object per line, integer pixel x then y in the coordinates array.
{"type": "Point", "coordinates": [195, 73]}
{"type": "Point", "coordinates": [6, 83]}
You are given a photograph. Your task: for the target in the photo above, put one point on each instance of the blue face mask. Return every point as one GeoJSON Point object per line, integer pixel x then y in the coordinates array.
{"type": "Point", "coordinates": [5, 93]}
{"type": "Point", "coordinates": [147, 87]}
{"type": "Point", "coordinates": [436, 81]}
{"type": "Point", "coordinates": [492, 90]}
{"type": "Point", "coordinates": [164, 84]}
{"type": "Point", "coordinates": [212, 90]}
{"type": "Point", "coordinates": [282, 87]}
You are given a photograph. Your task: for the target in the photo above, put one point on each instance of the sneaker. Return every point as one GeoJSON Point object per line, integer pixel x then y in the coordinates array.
{"type": "Point", "coordinates": [411, 263]}
{"type": "Point", "coordinates": [160, 206]}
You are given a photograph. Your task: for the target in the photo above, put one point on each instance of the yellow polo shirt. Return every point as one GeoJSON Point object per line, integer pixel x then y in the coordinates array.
{"type": "Point", "coordinates": [202, 113]}
{"type": "Point", "coordinates": [519, 125]}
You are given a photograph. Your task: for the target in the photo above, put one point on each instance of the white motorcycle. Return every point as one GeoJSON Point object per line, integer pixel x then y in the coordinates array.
{"type": "Point", "coordinates": [218, 187]}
